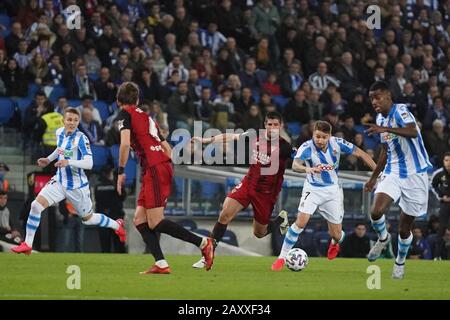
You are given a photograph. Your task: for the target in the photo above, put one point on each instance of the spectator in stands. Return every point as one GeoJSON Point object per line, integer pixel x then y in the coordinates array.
{"type": "Point", "coordinates": [347, 75]}
{"type": "Point", "coordinates": [61, 105]}
{"type": "Point", "coordinates": [55, 71]}
{"type": "Point", "coordinates": [35, 110]}
{"type": "Point", "coordinates": [251, 78]}
{"type": "Point", "coordinates": [91, 128]}
{"type": "Point", "coordinates": [297, 110]}
{"type": "Point", "coordinates": [316, 107]}
{"type": "Point", "coordinates": [194, 86]}
{"type": "Point", "coordinates": [252, 119]}
{"type": "Point", "coordinates": [420, 248]}
{"type": "Point", "coordinates": [180, 108]}
{"type": "Point", "coordinates": [149, 85]}
{"type": "Point", "coordinates": [223, 115]}
{"type": "Point", "coordinates": [356, 244]}
{"type": "Point", "coordinates": [29, 14]}
{"type": "Point", "coordinates": [398, 81]}
{"type": "Point", "coordinates": [271, 84]}
{"type": "Point", "coordinates": [436, 141]}
{"type": "Point", "coordinates": [92, 62]}
{"type": "Point", "coordinates": [320, 80]}
{"type": "Point", "coordinates": [316, 55]}
{"type": "Point", "coordinates": [4, 183]}
{"type": "Point", "coordinates": [437, 112]}
{"type": "Point", "coordinates": [110, 203]}
{"type": "Point", "coordinates": [225, 66]}
{"type": "Point", "coordinates": [86, 103]}
{"type": "Point", "coordinates": [212, 38]}
{"type": "Point", "coordinates": [263, 55]}
{"type": "Point", "coordinates": [15, 80]}
{"type": "Point", "coordinates": [204, 107]}
{"type": "Point", "coordinates": [292, 81]}
{"type": "Point", "coordinates": [80, 84]}
{"type": "Point", "coordinates": [242, 105]}
{"type": "Point", "coordinates": [158, 115]}
{"type": "Point", "coordinates": [22, 56]}
{"type": "Point", "coordinates": [175, 64]}
{"type": "Point", "coordinates": [112, 136]}
{"type": "Point", "coordinates": [349, 128]}
{"type": "Point", "coordinates": [13, 39]}
{"type": "Point", "coordinates": [38, 69]}
{"type": "Point", "coordinates": [7, 232]}
{"type": "Point", "coordinates": [104, 87]}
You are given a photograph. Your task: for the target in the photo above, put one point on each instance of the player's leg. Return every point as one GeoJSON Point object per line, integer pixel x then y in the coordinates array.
{"type": "Point", "coordinates": [333, 211]}
{"type": "Point", "coordinates": [405, 238]}
{"type": "Point", "coordinates": [52, 193]}
{"type": "Point", "coordinates": [157, 222]}
{"type": "Point", "coordinates": [150, 238]}
{"type": "Point", "coordinates": [337, 237]}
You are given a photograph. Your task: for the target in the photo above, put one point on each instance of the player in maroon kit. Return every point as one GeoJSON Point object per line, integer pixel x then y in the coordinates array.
{"type": "Point", "coordinates": [140, 132]}
{"type": "Point", "coordinates": [262, 183]}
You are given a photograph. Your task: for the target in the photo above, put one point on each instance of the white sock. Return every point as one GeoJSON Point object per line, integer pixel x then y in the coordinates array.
{"type": "Point", "coordinates": [99, 219]}
{"type": "Point", "coordinates": [340, 240]}
{"type": "Point", "coordinates": [162, 263]}
{"type": "Point", "coordinates": [33, 221]}
{"type": "Point", "coordinates": [290, 239]}
{"type": "Point", "coordinates": [204, 242]}
{"type": "Point", "coordinates": [403, 247]}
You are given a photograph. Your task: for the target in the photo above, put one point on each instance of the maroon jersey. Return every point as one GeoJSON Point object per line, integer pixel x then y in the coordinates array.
{"type": "Point", "coordinates": [265, 175]}
{"type": "Point", "coordinates": [145, 136]}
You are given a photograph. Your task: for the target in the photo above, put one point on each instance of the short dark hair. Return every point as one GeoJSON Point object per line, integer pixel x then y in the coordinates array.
{"type": "Point", "coordinates": [3, 193]}
{"type": "Point", "coordinates": [447, 154]}
{"type": "Point", "coordinates": [274, 115]}
{"type": "Point", "coordinates": [323, 126]}
{"type": "Point", "coordinates": [72, 110]}
{"type": "Point", "coordinates": [379, 85]}
{"type": "Point", "coordinates": [359, 224]}
{"type": "Point", "coordinates": [128, 93]}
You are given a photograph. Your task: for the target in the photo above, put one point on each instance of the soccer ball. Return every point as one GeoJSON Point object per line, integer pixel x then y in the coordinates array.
{"type": "Point", "coordinates": [296, 259]}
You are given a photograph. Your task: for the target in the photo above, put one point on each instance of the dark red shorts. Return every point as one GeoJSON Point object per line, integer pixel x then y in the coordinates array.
{"type": "Point", "coordinates": [262, 203]}
{"type": "Point", "coordinates": [156, 186]}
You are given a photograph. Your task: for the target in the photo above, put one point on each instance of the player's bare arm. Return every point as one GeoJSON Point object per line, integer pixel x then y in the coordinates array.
{"type": "Point", "coordinates": [43, 162]}
{"type": "Point", "coordinates": [167, 148]}
{"type": "Point", "coordinates": [124, 151]}
{"type": "Point", "coordinates": [369, 185]}
{"type": "Point", "coordinates": [365, 157]}
{"type": "Point", "coordinates": [299, 166]}
{"type": "Point", "coordinates": [409, 131]}
{"type": "Point", "coordinates": [224, 137]}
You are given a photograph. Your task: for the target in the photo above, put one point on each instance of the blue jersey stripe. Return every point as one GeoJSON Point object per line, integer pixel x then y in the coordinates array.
{"type": "Point", "coordinates": [388, 168]}
{"type": "Point", "coordinates": [59, 145]}
{"type": "Point", "coordinates": [423, 151]}
{"type": "Point", "coordinates": [336, 168]}
{"type": "Point", "coordinates": [401, 159]}
{"type": "Point", "coordinates": [79, 169]}
{"type": "Point", "coordinates": [68, 168]}
{"type": "Point", "coordinates": [413, 149]}
{"type": "Point", "coordinates": [311, 165]}
{"type": "Point", "coordinates": [326, 177]}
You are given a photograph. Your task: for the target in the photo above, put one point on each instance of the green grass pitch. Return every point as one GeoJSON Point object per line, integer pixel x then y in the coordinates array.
{"type": "Point", "coordinates": [113, 276]}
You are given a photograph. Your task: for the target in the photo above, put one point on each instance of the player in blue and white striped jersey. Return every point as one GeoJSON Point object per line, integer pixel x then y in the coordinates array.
{"type": "Point", "coordinates": [404, 163]}
{"type": "Point", "coordinates": [319, 158]}
{"type": "Point", "coordinates": [73, 155]}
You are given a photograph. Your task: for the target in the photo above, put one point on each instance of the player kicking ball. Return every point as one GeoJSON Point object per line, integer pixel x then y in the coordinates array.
{"type": "Point", "coordinates": [139, 131]}
{"type": "Point", "coordinates": [74, 155]}
{"type": "Point", "coordinates": [262, 183]}
{"type": "Point", "coordinates": [404, 163]}
{"type": "Point", "coordinates": [319, 159]}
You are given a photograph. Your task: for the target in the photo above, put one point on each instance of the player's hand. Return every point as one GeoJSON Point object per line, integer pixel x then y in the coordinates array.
{"type": "Point", "coordinates": [198, 139]}
{"type": "Point", "coordinates": [62, 163]}
{"type": "Point", "coordinates": [446, 198]}
{"type": "Point", "coordinates": [43, 162]}
{"type": "Point", "coordinates": [374, 129]}
{"type": "Point", "coordinates": [120, 183]}
{"type": "Point", "coordinates": [313, 170]}
{"type": "Point", "coordinates": [370, 185]}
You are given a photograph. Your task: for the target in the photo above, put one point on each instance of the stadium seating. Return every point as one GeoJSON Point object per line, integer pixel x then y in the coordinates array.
{"type": "Point", "coordinates": [33, 89]}
{"type": "Point", "coordinates": [100, 156]}
{"type": "Point", "coordinates": [294, 128]}
{"type": "Point", "coordinates": [74, 103]}
{"type": "Point", "coordinates": [102, 108]}
{"type": "Point", "coordinates": [130, 168]}
{"type": "Point", "coordinates": [23, 104]}
{"type": "Point", "coordinates": [58, 91]}
{"type": "Point", "coordinates": [5, 21]}
{"type": "Point", "coordinates": [281, 102]}
{"type": "Point", "coordinates": [6, 110]}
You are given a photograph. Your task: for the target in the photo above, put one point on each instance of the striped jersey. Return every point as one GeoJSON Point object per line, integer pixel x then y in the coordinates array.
{"type": "Point", "coordinates": [327, 160]}
{"type": "Point", "coordinates": [73, 147]}
{"type": "Point", "coordinates": [405, 156]}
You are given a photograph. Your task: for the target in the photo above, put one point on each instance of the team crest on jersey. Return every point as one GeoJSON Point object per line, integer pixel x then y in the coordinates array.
{"type": "Point", "coordinates": [65, 153]}
{"type": "Point", "coordinates": [404, 115]}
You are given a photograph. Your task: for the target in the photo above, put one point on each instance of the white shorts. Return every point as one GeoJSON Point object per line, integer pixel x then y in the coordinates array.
{"type": "Point", "coordinates": [412, 192]}
{"type": "Point", "coordinates": [54, 192]}
{"type": "Point", "coordinates": [329, 201]}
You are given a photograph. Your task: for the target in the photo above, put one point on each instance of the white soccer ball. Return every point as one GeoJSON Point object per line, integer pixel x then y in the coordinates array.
{"type": "Point", "coordinates": [296, 259]}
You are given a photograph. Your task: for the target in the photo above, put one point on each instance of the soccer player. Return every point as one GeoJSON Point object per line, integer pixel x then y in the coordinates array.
{"type": "Point", "coordinates": [319, 159]}
{"type": "Point", "coordinates": [74, 155]}
{"type": "Point", "coordinates": [259, 187]}
{"type": "Point", "coordinates": [404, 163]}
{"type": "Point", "coordinates": [140, 132]}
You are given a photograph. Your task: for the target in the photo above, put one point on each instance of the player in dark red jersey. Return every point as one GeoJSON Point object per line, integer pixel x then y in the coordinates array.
{"type": "Point", "coordinates": [262, 183]}
{"type": "Point", "coordinates": [139, 131]}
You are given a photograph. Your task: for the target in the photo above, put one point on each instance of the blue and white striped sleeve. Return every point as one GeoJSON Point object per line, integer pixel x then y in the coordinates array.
{"type": "Point", "coordinates": [303, 152]}
{"type": "Point", "coordinates": [403, 116]}
{"type": "Point", "coordinates": [345, 146]}
{"type": "Point", "coordinates": [84, 146]}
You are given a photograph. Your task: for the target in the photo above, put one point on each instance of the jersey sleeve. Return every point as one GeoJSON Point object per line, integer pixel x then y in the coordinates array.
{"type": "Point", "coordinates": [379, 122]}
{"type": "Point", "coordinates": [85, 146]}
{"type": "Point", "coordinates": [303, 152]}
{"type": "Point", "coordinates": [124, 120]}
{"type": "Point", "coordinates": [345, 146]}
{"type": "Point", "coordinates": [403, 116]}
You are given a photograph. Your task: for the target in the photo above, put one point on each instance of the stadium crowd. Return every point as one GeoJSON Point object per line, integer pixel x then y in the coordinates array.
{"type": "Point", "coordinates": [227, 63]}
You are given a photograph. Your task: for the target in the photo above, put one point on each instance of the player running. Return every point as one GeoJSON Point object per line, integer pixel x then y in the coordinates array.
{"type": "Point", "coordinates": [74, 155]}
{"type": "Point", "coordinates": [404, 163]}
{"type": "Point", "coordinates": [319, 158]}
{"type": "Point", "coordinates": [140, 132]}
{"type": "Point", "coordinates": [258, 188]}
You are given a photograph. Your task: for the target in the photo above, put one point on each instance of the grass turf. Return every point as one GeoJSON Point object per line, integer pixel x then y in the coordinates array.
{"type": "Point", "coordinates": [113, 276]}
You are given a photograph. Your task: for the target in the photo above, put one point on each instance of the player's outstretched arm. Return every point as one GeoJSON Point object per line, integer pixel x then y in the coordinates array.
{"type": "Point", "coordinates": [43, 162]}
{"type": "Point", "coordinates": [167, 148]}
{"type": "Point", "coordinates": [408, 131]}
{"type": "Point", "coordinates": [299, 166]}
{"type": "Point", "coordinates": [365, 157]}
{"type": "Point", "coordinates": [224, 137]}
{"type": "Point", "coordinates": [86, 163]}
{"type": "Point", "coordinates": [369, 185]}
